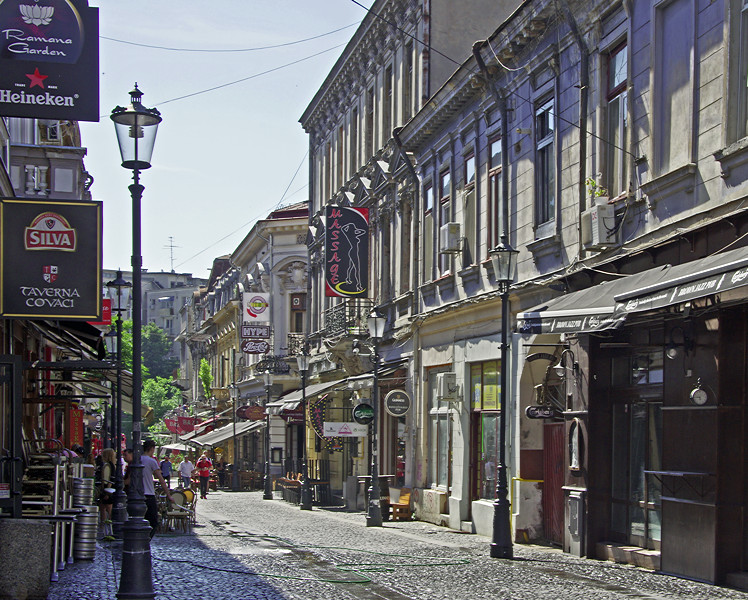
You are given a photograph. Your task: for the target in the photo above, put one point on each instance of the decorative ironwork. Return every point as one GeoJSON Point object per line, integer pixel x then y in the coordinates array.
{"type": "Point", "coordinates": [348, 317]}
{"type": "Point", "coordinates": [295, 343]}
{"type": "Point", "coordinates": [277, 365]}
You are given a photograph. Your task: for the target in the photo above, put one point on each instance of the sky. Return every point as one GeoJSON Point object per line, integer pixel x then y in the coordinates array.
{"type": "Point", "coordinates": [223, 158]}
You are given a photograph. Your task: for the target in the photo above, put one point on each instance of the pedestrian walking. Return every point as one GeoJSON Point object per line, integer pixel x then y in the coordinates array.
{"type": "Point", "coordinates": [203, 466]}
{"type": "Point", "coordinates": [221, 470]}
{"type": "Point", "coordinates": [151, 469]}
{"type": "Point", "coordinates": [105, 490]}
{"type": "Point", "coordinates": [166, 468]}
{"type": "Point", "coordinates": [185, 469]}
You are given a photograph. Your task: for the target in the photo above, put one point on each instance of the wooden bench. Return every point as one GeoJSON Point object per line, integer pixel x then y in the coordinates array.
{"type": "Point", "coordinates": [401, 510]}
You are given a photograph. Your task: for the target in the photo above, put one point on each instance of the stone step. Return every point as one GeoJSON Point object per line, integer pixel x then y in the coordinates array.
{"type": "Point", "coordinates": [632, 555]}
{"type": "Point", "coordinates": [737, 580]}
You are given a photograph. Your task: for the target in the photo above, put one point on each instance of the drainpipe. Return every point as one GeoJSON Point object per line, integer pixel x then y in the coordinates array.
{"type": "Point", "coordinates": [584, 86]}
{"type": "Point", "coordinates": [415, 221]}
{"type": "Point", "coordinates": [500, 100]}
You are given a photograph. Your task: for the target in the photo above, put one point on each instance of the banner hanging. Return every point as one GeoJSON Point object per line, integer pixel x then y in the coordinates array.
{"type": "Point", "coordinates": [347, 252]}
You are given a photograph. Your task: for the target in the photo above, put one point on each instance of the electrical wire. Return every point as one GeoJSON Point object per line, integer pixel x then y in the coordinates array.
{"type": "Point", "coordinates": [227, 50]}
{"type": "Point", "coordinates": [243, 79]}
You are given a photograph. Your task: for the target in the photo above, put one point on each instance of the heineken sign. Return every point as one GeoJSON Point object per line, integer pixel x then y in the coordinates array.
{"type": "Point", "coordinates": [49, 59]}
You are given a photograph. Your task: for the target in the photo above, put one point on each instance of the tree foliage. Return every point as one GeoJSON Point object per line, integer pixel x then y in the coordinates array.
{"type": "Point", "coordinates": [206, 376]}
{"type": "Point", "coordinates": [161, 396]}
{"type": "Point", "coordinates": [156, 346]}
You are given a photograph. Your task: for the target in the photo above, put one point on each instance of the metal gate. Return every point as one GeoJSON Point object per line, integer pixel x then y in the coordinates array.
{"type": "Point", "coordinates": [553, 481]}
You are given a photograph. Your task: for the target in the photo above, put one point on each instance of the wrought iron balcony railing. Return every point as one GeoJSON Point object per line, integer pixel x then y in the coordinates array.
{"type": "Point", "coordinates": [348, 317]}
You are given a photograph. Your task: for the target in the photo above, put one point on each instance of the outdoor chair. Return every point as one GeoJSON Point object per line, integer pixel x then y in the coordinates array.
{"type": "Point", "coordinates": [179, 515]}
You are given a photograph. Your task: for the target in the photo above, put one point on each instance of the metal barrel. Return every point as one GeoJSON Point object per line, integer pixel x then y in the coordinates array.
{"type": "Point", "coordinates": [83, 491]}
{"type": "Point", "coordinates": [84, 544]}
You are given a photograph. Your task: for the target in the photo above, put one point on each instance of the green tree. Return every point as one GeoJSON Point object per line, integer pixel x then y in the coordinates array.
{"type": "Point", "coordinates": [156, 347]}
{"type": "Point", "coordinates": [161, 396]}
{"type": "Point", "coordinates": [127, 350]}
{"type": "Point", "coordinates": [206, 376]}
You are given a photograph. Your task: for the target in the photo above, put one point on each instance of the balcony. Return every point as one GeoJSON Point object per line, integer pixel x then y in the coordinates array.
{"type": "Point", "coordinates": [296, 343]}
{"type": "Point", "coordinates": [348, 318]}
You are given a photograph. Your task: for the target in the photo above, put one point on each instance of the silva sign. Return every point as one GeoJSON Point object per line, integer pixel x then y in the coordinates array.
{"type": "Point", "coordinates": [50, 259]}
{"type": "Point", "coordinates": [49, 59]}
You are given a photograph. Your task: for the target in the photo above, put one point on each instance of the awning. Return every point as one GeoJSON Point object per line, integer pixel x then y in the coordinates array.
{"type": "Point", "coordinates": [178, 447]}
{"type": "Point", "coordinates": [226, 432]}
{"type": "Point", "coordinates": [606, 306]}
{"type": "Point", "coordinates": [292, 400]}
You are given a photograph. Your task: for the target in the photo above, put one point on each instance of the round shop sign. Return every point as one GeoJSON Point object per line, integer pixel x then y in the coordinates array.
{"type": "Point", "coordinates": [397, 403]}
{"type": "Point", "coordinates": [363, 413]}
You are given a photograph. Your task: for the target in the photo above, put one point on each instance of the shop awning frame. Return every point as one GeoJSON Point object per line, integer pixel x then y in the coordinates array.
{"type": "Point", "coordinates": [227, 431]}
{"type": "Point", "coordinates": [607, 305]}
{"type": "Point", "coordinates": [292, 400]}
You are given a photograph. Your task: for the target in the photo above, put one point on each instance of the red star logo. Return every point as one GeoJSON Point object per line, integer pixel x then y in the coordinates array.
{"type": "Point", "coordinates": [36, 78]}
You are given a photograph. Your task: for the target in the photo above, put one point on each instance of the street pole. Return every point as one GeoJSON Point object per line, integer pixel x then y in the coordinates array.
{"type": "Point", "coordinates": [376, 324]}
{"type": "Point", "coordinates": [504, 260]}
{"type": "Point", "coordinates": [136, 132]}
{"type": "Point", "coordinates": [235, 397]}
{"type": "Point", "coordinates": [268, 488]}
{"type": "Point", "coordinates": [119, 510]}
{"type": "Point", "coordinates": [305, 502]}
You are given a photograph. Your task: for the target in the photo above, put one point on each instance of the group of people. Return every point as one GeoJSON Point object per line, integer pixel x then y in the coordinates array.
{"type": "Point", "coordinates": [153, 471]}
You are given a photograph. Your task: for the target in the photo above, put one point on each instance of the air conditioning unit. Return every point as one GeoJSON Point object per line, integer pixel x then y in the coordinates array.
{"type": "Point", "coordinates": [599, 227]}
{"type": "Point", "coordinates": [450, 238]}
{"type": "Point", "coordinates": [446, 386]}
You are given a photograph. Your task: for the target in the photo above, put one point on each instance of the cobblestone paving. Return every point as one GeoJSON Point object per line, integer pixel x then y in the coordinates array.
{"type": "Point", "coordinates": [248, 548]}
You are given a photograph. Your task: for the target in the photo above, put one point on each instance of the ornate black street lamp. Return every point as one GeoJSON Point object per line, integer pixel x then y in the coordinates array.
{"type": "Point", "coordinates": [119, 510]}
{"type": "Point", "coordinates": [136, 128]}
{"type": "Point", "coordinates": [234, 395]}
{"type": "Point", "coordinates": [376, 323]}
{"type": "Point", "coordinates": [302, 362]}
{"type": "Point", "coordinates": [267, 377]}
{"type": "Point", "coordinates": [504, 259]}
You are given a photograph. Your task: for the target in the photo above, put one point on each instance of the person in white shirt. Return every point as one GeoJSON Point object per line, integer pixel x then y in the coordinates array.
{"type": "Point", "coordinates": [151, 468]}
{"type": "Point", "coordinates": [185, 469]}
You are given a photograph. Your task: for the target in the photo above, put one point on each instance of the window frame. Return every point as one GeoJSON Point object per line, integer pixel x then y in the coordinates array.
{"type": "Point", "coordinates": [470, 214]}
{"type": "Point", "coordinates": [545, 152]}
{"type": "Point", "coordinates": [616, 157]}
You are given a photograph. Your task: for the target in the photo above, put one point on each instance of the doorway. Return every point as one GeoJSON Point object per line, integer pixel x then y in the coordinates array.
{"type": "Point", "coordinates": [636, 507]}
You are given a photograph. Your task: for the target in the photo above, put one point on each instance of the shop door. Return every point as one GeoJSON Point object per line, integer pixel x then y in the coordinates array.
{"type": "Point", "coordinates": [553, 481]}
{"type": "Point", "coordinates": [11, 463]}
{"type": "Point", "coordinates": [636, 510]}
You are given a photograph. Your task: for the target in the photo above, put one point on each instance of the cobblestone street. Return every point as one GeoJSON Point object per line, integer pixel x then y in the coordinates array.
{"type": "Point", "coordinates": [248, 548]}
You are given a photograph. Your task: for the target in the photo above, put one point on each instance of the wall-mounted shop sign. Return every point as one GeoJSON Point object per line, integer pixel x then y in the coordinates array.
{"type": "Point", "coordinates": [347, 252]}
{"type": "Point", "coordinates": [277, 365]}
{"type": "Point", "coordinates": [251, 413]}
{"type": "Point", "coordinates": [255, 346]}
{"type": "Point", "coordinates": [363, 413]}
{"type": "Point", "coordinates": [540, 412]}
{"type": "Point", "coordinates": [255, 332]}
{"type": "Point", "coordinates": [255, 307]}
{"type": "Point", "coordinates": [50, 259]}
{"type": "Point", "coordinates": [346, 430]}
{"type": "Point", "coordinates": [49, 59]}
{"type": "Point", "coordinates": [397, 403]}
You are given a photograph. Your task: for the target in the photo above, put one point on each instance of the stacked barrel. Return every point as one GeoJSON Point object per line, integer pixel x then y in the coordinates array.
{"type": "Point", "coordinates": [84, 546]}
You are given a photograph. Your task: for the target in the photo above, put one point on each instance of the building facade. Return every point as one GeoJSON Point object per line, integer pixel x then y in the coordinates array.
{"type": "Point", "coordinates": [606, 144]}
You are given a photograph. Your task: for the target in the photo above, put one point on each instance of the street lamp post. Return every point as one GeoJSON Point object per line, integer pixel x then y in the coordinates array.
{"type": "Point", "coordinates": [504, 259]}
{"type": "Point", "coordinates": [136, 128]}
{"type": "Point", "coordinates": [268, 491]}
{"type": "Point", "coordinates": [119, 510]}
{"type": "Point", "coordinates": [376, 323]}
{"type": "Point", "coordinates": [234, 393]}
{"type": "Point", "coordinates": [302, 361]}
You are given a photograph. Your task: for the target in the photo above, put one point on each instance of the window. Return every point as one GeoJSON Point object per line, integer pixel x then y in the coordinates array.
{"type": "Point", "coordinates": [428, 233]}
{"type": "Point", "coordinates": [545, 167]}
{"type": "Point", "coordinates": [673, 80]}
{"type": "Point", "coordinates": [617, 122]}
{"type": "Point", "coordinates": [354, 140]}
{"type": "Point", "coordinates": [494, 193]}
{"type": "Point", "coordinates": [742, 129]}
{"type": "Point", "coordinates": [485, 390]}
{"type": "Point", "coordinates": [405, 248]}
{"type": "Point", "coordinates": [387, 108]}
{"type": "Point", "coordinates": [445, 180]}
{"type": "Point", "coordinates": [469, 210]}
{"type": "Point", "coordinates": [369, 125]}
{"type": "Point", "coordinates": [408, 82]}
{"type": "Point", "coordinates": [328, 171]}
{"type": "Point", "coordinates": [440, 441]}
{"type": "Point", "coordinates": [340, 156]}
